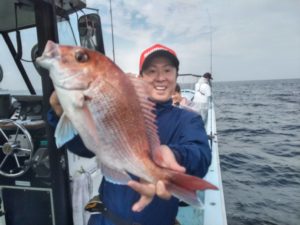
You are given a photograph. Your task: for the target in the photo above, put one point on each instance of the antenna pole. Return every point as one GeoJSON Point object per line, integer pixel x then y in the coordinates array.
{"type": "Point", "coordinates": [112, 31]}
{"type": "Point", "coordinates": [211, 45]}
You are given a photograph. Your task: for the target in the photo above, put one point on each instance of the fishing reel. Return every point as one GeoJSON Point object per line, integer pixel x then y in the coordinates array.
{"type": "Point", "coordinates": [16, 148]}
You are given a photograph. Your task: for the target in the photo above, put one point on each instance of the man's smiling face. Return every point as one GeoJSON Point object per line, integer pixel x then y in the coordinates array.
{"type": "Point", "coordinates": [161, 75]}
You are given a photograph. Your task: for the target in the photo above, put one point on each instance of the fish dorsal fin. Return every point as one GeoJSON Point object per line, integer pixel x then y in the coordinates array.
{"type": "Point", "coordinates": [64, 131]}
{"type": "Point", "coordinates": [148, 109]}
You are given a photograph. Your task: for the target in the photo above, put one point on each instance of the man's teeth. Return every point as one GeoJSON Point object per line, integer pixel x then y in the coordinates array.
{"type": "Point", "coordinates": [160, 88]}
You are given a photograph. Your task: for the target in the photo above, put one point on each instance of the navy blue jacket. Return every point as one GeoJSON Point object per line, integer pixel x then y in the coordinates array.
{"type": "Point", "coordinates": [183, 131]}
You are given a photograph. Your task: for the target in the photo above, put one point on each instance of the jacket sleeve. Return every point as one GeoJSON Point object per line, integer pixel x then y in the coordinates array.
{"type": "Point", "coordinates": [75, 145]}
{"type": "Point", "coordinates": [192, 149]}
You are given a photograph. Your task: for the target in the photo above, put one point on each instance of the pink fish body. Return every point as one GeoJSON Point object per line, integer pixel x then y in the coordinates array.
{"type": "Point", "coordinates": [114, 117]}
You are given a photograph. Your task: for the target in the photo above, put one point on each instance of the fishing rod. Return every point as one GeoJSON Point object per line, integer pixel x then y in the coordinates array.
{"type": "Point", "coordinates": [211, 115]}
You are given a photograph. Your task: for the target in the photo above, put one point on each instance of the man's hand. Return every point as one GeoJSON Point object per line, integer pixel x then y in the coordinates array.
{"type": "Point", "coordinates": [54, 102]}
{"type": "Point", "coordinates": [148, 190]}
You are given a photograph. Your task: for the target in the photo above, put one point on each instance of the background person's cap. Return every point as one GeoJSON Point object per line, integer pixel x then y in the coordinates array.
{"type": "Point", "coordinates": [157, 50]}
{"type": "Point", "coordinates": [208, 76]}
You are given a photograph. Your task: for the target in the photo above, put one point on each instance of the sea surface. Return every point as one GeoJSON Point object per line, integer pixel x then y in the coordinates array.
{"type": "Point", "coordinates": [258, 125]}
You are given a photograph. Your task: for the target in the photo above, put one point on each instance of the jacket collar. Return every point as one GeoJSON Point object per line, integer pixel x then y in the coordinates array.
{"type": "Point", "coordinates": [162, 106]}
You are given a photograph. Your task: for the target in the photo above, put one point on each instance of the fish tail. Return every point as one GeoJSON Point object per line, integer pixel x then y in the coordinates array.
{"type": "Point", "coordinates": [184, 187]}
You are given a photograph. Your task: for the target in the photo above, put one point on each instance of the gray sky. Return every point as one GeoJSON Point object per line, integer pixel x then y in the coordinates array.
{"type": "Point", "coordinates": [252, 39]}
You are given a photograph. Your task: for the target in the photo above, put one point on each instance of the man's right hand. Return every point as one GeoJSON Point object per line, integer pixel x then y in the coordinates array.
{"type": "Point", "coordinates": [55, 104]}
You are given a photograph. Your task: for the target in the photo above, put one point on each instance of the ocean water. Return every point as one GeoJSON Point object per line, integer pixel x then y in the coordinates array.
{"type": "Point", "coordinates": [258, 125]}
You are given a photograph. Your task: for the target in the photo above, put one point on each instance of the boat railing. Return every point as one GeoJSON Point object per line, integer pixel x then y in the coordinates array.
{"type": "Point", "coordinates": [213, 211]}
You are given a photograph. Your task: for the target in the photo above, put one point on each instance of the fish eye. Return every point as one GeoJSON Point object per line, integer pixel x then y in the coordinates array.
{"type": "Point", "coordinates": [81, 56]}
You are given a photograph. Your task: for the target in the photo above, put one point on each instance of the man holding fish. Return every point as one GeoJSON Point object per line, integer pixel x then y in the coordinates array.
{"type": "Point", "coordinates": [146, 147]}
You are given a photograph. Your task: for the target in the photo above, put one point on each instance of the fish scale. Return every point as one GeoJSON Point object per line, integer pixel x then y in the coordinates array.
{"type": "Point", "coordinates": [114, 132]}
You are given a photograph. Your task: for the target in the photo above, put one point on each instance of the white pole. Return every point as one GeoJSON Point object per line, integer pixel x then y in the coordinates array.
{"type": "Point", "coordinates": [211, 40]}
{"type": "Point", "coordinates": [112, 31]}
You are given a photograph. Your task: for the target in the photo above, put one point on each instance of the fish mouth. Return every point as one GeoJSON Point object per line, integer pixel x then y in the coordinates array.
{"type": "Point", "coordinates": [69, 83]}
{"type": "Point", "coordinates": [51, 52]}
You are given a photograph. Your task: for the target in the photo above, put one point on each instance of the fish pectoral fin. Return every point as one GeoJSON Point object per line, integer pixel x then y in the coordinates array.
{"type": "Point", "coordinates": [64, 131]}
{"type": "Point", "coordinates": [115, 176]}
{"type": "Point", "coordinates": [78, 100]}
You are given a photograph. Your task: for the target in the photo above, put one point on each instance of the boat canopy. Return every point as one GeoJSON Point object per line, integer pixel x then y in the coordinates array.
{"type": "Point", "coordinates": [20, 14]}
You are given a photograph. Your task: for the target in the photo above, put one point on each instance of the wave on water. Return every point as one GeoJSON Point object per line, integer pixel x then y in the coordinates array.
{"type": "Point", "coordinates": [291, 127]}
{"type": "Point", "coordinates": [246, 131]}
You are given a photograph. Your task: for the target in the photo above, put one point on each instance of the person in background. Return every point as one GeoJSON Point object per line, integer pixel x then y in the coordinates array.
{"type": "Point", "coordinates": [208, 77]}
{"type": "Point", "coordinates": [184, 147]}
{"type": "Point", "coordinates": [202, 95]}
{"type": "Point", "coordinates": [177, 98]}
